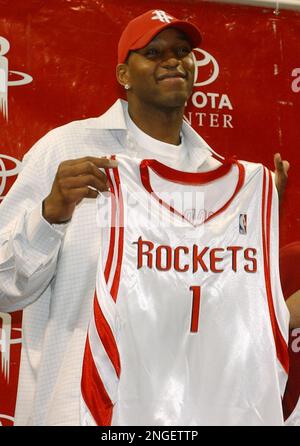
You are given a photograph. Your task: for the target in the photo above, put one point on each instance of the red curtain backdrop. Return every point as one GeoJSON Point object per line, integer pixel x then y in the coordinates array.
{"type": "Point", "coordinates": [57, 64]}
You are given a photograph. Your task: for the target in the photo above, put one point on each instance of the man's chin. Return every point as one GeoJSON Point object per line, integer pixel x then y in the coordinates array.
{"type": "Point", "coordinates": [174, 100]}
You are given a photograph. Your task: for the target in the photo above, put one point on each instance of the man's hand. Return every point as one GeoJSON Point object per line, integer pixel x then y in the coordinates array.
{"type": "Point", "coordinates": [293, 304]}
{"type": "Point", "coordinates": [281, 170]}
{"type": "Point", "coordinates": [75, 180]}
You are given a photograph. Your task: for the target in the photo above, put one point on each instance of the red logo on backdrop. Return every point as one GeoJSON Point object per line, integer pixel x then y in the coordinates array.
{"type": "Point", "coordinates": [10, 349]}
{"type": "Point", "coordinates": [21, 78]}
{"type": "Point", "coordinates": [217, 105]}
{"type": "Point", "coordinates": [206, 68]}
{"type": "Point", "coordinates": [9, 169]}
{"type": "Point", "coordinates": [10, 324]}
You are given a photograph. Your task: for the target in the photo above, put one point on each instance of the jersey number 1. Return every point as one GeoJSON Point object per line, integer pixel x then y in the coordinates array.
{"type": "Point", "coordinates": [196, 290]}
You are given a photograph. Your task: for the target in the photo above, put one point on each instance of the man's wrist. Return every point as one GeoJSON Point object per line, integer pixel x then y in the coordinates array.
{"type": "Point", "coordinates": [50, 216]}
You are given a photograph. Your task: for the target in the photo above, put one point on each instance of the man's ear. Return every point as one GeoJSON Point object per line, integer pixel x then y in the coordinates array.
{"type": "Point", "coordinates": [122, 73]}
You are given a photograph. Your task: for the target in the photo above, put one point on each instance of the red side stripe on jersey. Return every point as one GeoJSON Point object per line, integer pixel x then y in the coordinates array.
{"type": "Point", "coordinates": [106, 336]}
{"type": "Point", "coordinates": [112, 228]}
{"type": "Point", "coordinates": [281, 346]}
{"type": "Point", "coordinates": [116, 281]}
{"type": "Point", "coordinates": [268, 217]}
{"type": "Point", "coordinates": [93, 391]}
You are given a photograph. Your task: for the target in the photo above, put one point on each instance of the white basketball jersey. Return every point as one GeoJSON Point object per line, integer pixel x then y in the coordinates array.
{"type": "Point", "coordinates": [189, 325]}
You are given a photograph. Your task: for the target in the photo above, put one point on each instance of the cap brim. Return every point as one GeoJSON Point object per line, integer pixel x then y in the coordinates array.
{"type": "Point", "coordinates": [190, 30]}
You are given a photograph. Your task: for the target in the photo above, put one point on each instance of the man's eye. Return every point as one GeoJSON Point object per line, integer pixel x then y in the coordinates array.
{"type": "Point", "coordinates": [152, 52]}
{"type": "Point", "coordinates": [183, 51]}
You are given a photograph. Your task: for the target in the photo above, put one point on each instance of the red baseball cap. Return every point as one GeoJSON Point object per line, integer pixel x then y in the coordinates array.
{"type": "Point", "coordinates": [141, 30]}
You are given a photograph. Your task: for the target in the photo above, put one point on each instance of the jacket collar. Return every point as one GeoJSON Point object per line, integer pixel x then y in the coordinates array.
{"type": "Point", "coordinates": [112, 119]}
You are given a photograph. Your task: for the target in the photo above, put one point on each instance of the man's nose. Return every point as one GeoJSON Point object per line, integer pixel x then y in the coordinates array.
{"type": "Point", "coordinates": [170, 61]}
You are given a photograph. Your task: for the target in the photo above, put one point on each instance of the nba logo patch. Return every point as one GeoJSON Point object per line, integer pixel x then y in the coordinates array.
{"type": "Point", "coordinates": [243, 224]}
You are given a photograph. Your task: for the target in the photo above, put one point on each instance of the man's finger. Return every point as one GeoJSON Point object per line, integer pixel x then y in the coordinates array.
{"type": "Point", "coordinates": [281, 165]}
{"type": "Point", "coordinates": [278, 161]}
{"type": "Point", "coordinates": [82, 168]}
{"type": "Point", "coordinates": [106, 163]}
{"type": "Point", "coordinates": [76, 195]}
{"type": "Point", "coordinates": [286, 165]}
{"type": "Point", "coordinates": [82, 181]}
{"type": "Point", "coordinates": [99, 162]}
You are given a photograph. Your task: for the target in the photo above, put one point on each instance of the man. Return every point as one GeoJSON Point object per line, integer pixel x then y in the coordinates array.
{"type": "Point", "coordinates": [49, 241]}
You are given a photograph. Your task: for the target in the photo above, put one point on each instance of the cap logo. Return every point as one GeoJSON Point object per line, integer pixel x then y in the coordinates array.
{"type": "Point", "coordinates": [161, 16]}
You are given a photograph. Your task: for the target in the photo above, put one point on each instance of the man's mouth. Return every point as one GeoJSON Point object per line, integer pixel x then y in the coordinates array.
{"type": "Point", "coordinates": [174, 76]}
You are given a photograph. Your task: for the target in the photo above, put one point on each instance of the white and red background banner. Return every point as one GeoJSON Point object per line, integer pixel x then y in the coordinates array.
{"type": "Point", "coordinates": [57, 64]}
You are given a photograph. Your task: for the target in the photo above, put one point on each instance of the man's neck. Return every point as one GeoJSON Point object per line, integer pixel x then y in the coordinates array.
{"type": "Point", "coordinates": [163, 124]}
